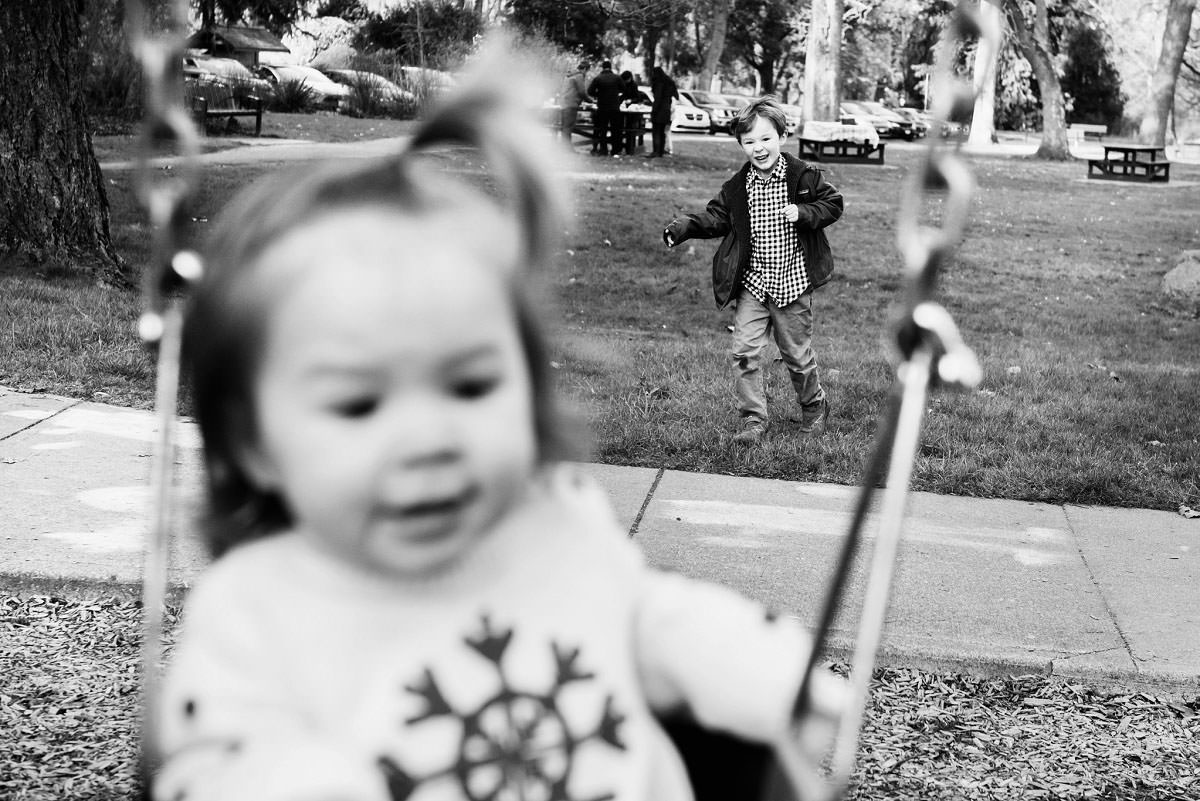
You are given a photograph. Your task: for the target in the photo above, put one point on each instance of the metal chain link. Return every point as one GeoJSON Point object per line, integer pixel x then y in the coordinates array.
{"type": "Point", "coordinates": [167, 130]}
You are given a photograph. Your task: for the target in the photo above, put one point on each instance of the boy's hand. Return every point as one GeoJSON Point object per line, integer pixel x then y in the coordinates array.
{"type": "Point", "coordinates": [669, 235]}
{"type": "Point", "coordinates": [791, 212]}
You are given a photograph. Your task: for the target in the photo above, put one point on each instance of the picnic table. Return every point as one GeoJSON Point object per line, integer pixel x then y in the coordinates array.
{"type": "Point", "coordinates": [634, 123]}
{"type": "Point", "coordinates": [1086, 130]}
{"type": "Point", "coordinates": [840, 142]}
{"type": "Point", "coordinates": [1123, 162]}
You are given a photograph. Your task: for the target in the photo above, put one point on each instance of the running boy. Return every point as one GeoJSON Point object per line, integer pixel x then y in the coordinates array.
{"type": "Point", "coordinates": [772, 214]}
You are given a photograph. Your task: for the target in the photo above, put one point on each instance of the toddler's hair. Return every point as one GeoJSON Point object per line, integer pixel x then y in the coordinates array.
{"type": "Point", "coordinates": [227, 313]}
{"type": "Point", "coordinates": [766, 107]}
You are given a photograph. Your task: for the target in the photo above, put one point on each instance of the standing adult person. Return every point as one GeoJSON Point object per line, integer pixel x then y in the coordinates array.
{"type": "Point", "coordinates": [573, 93]}
{"type": "Point", "coordinates": [608, 89]}
{"type": "Point", "coordinates": [663, 87]}
{"type": "Point", "coordinates": [630, 95]}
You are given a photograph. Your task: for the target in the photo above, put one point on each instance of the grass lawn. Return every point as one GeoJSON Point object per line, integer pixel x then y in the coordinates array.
{"type": "Point", "coordinates": [1090, 373]}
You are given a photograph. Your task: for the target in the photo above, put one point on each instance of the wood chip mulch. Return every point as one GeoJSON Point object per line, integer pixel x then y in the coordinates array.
{"type": "Point", "coordinates": [69, 684]}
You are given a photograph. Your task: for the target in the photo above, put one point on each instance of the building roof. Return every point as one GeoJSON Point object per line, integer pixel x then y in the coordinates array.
{"type": "Point", "coordinates": [238, 38]}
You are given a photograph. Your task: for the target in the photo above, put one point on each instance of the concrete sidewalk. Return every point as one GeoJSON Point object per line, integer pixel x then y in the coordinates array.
{"type": "Point", "coordinates": [1108, 595]}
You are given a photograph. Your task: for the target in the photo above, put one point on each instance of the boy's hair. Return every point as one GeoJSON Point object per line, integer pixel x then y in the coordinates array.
{"type": "Point", "coordinates": [766, 107]}
{"type": "Point", "coordinates": [227, 313]}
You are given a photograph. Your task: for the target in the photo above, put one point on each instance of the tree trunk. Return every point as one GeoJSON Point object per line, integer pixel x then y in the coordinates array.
{"type": "Point", "coordinates": [983, 119]}
{"type": "Point", "coordinates": [718, 28]}
{"type": "Point", "coordinates": [53, 209]}
{"type": "Point", "coordinates": [1034, 44]}
{"type": "Point", "coordinates": [1153, 130]}
{"type": "Point", "coordinates": [823, 61]}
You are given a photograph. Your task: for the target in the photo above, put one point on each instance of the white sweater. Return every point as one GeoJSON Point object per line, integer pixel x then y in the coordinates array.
{"type": "Point", "coordinates": [533, 668]}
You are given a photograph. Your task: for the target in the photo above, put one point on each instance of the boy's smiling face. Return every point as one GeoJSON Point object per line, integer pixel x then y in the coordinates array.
{"type": "Point", "coordinates": [393, 400]}
{"type": "Point", "coordinates": [762, 144]}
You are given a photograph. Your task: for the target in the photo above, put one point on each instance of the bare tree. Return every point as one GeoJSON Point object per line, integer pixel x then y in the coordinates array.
{"type": "Point", "coordinates": [718, 28]}
{"type": "Point", "coordinates": [983, 120]}
{"type": "Point", "coordinates": [1033, 40]}
{"type": "Point", "coordinates": [1153, 130]}
{"type": "Point", "coordinates": [53, 209]}
{"type": "Point", "coordinates": [822, 62]}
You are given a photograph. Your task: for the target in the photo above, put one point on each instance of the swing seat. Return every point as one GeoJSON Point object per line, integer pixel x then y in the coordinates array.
{"type": "Point", "coordinates": [722, 767]}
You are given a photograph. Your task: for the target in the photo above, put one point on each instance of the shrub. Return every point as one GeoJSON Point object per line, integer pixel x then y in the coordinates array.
{"type": "Point", "coordinates": [291, 96]}
{"type": "Point", "coordinates": [367, 99]}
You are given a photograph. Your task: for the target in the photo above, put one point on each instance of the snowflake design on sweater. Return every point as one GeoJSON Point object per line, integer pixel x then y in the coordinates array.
{"type": "Point", "coordinates": [516, 745]}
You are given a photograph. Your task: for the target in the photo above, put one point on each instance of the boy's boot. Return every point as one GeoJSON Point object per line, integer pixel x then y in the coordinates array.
{"type": "Point", "coordinates": [813, 416]}
{"type": "Point", "coordinates": [752, 432]}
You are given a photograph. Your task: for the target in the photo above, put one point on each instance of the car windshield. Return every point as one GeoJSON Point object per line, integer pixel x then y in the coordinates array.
{"type": "Point", "coordinates": [303, 74]}
{"type": "Point", "coordinates": [225, 67]}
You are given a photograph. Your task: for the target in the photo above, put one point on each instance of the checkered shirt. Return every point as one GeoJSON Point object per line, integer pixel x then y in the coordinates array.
{"type": "Point", "coordinates": [777, 266]}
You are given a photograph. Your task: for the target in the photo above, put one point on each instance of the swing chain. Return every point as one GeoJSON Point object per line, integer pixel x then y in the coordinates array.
{"type": "Point", "coordinates": [942, 185]}
{"type": "Point", "coordinates": [930, 351]}
{"type": "Point", "coordinates": [157, 41]}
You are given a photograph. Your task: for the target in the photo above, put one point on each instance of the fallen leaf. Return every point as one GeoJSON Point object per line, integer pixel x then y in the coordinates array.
{"type": "Point", "coordinates": [1188, 512]}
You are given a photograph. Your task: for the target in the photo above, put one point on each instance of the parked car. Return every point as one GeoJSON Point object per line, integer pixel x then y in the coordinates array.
{"type": "Point", "coordinates": [886, 125]}
{"type": "Point", "coordinates": [720, 110]}
{"type": "Point", "coordinates": [906, 127]}
{"type": "Point", "coordinates": [918, 118]}
{"type": "Point", "coordinates": [685, 115]}
{"type": "Point", "coordinates": [386, 90]}
{"type": "Point", "coordinates": [211, 70]}
{"type": "Point", "coordinates": [424, 82]}
{"type": "Point", "coordinates": [325, 93]}
{"type": "Point", "coordinates": [795, 117]}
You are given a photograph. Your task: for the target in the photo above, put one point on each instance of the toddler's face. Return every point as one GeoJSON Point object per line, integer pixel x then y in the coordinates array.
{"type": "Point", "coordinates": [762, 144]}
{"type": "Point", "coordinates": [393, 401]}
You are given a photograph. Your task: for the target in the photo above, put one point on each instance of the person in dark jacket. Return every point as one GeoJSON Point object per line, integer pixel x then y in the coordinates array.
{"type": "Point", "coordinates": [772, 214]}
{"type": "Point", "coordinates": [630, 95]}
{"type": "Point", "coordinates": [663, 87]}
{"type": "Point", "coordinates": [608, 90]}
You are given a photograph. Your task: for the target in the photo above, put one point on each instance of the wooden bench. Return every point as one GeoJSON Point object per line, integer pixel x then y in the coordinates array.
{"type": "Point", "coordinates": [218, 102]}
{"type": "Point", "coordinates": [1131, 163]}
{"type": "Point", "coordinates": [1087, 130]}
{"type": "Point", "coordinates": [841, 150]}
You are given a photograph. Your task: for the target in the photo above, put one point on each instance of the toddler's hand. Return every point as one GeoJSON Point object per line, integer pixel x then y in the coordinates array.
{"type": "Point", "coordinates": [812, 737]}
{"type": "Point", "coordinates": [791, 212]}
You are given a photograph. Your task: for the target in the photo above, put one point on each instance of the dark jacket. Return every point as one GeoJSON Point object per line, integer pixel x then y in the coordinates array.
{"type": "Point", "coordinates": [608, 89]}
{"type": "Point", "coordinates": [664, 90]}
{"type": "Point", "coordinates": [728, 215]}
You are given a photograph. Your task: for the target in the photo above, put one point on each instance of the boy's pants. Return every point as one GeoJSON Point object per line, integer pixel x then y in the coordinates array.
{"type": "Point", "coordinates": [791, 327]}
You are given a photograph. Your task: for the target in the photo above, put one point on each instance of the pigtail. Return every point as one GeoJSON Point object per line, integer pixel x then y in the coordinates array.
{"type": "Point", "coordinates": [495, 111]}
